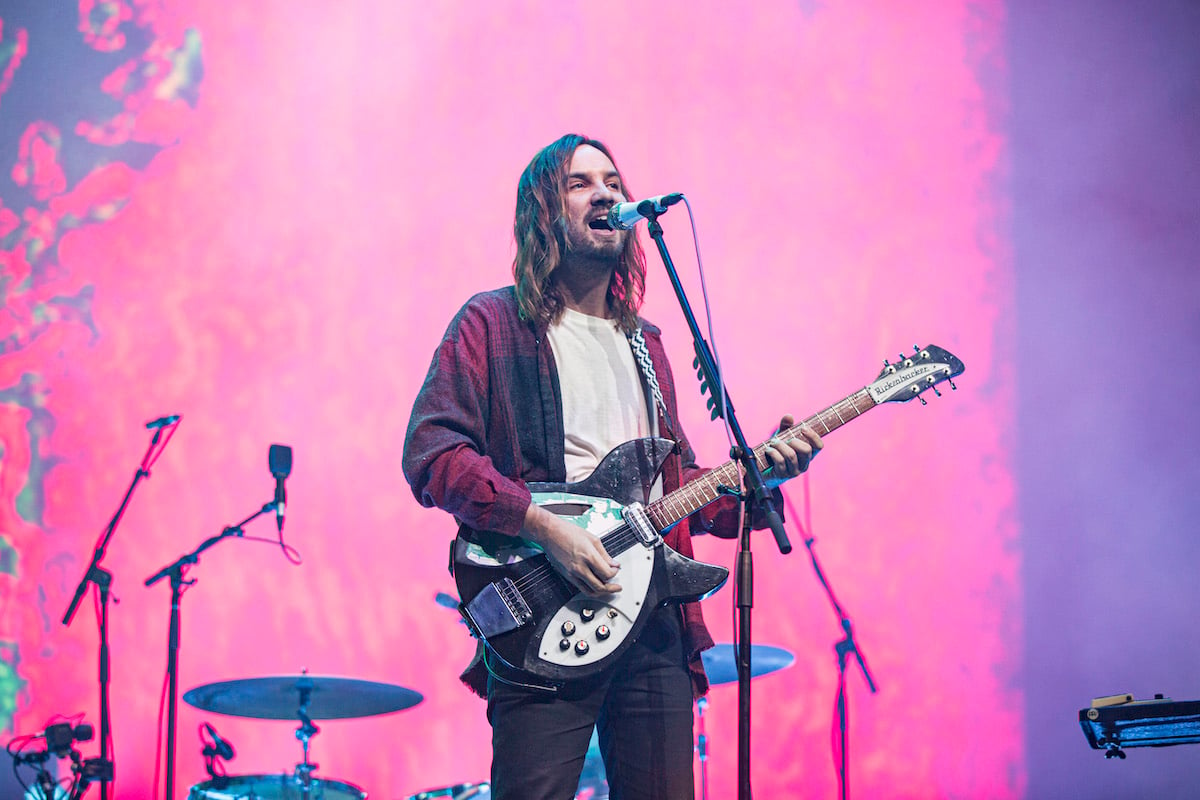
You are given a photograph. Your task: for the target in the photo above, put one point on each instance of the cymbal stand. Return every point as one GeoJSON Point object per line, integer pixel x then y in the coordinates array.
{"type": "Point", "coordinates": [304, 733]}
{"type": "Point", "coordinates": [702, 746]}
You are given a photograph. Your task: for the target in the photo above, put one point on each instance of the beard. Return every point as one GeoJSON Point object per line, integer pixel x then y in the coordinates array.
{"type": "Point", "coordinates": [581, 242]}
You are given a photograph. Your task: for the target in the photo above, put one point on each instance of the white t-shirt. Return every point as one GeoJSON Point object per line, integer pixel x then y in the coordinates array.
{"type": "Point", "coordinates": [602, 397]}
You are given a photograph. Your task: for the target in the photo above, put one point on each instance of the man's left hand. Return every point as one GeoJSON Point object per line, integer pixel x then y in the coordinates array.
{"type": "Point", "coordinates": [791, 456]}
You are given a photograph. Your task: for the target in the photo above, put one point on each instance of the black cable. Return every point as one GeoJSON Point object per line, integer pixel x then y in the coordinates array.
{"type": "Point", "coordinates": [17, 759]}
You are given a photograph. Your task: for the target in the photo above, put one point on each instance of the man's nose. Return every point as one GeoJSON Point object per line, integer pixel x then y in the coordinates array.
{"type": "Point", "coordinates": [604, 196]}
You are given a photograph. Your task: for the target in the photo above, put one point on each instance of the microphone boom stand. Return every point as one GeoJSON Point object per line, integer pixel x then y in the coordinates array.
{"type": "Point", "coordinates": [843, 648]}
{"type": "Point", "coordinates": [102, 578]}
{"type": "Point", "coordinates": [176, 571]}
{"type": "Point", "coordinates": [756, 496]}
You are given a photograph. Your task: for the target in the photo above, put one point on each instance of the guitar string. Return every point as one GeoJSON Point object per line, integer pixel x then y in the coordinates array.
{"type": "Point", "coordinates": [619, 538]}
{"type": "Point", "coordinates": [707, 488]}
{"type": "Point", "coordinates": [709, 483]}
{"type": "Point", "coordinates": [703, 491]}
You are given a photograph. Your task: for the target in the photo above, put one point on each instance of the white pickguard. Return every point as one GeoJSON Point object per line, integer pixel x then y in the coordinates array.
{"type": "Point", "coordinates": [597, 515]}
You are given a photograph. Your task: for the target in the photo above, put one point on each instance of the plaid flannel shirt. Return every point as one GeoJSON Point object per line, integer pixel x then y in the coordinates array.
{"type": "Point", "coordinates": [488, 419]}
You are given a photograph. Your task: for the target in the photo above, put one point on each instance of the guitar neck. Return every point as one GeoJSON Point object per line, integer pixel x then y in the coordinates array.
{"type": "Point", "coordinates": [688, 499]}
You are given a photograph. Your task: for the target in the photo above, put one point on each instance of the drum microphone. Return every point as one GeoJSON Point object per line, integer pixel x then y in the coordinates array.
{"type": "Point", "coordinates": [623, 216]}
{"type": "Point", "coordinates": [220, 748]}
{"type": "Point", "coordinates": [279, 459]}
{"type": "Point", "coordinates": [60, 737]}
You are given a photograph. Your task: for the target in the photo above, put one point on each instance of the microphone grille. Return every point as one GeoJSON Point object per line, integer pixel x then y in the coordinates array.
{"type": "Point", "coordinates": [279, 459]}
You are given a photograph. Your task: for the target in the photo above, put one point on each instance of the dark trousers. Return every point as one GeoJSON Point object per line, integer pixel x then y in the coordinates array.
{"type": "Point", "coordinates": [642, 710]}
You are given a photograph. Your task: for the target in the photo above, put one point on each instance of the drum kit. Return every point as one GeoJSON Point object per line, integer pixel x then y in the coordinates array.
{"type": "Point", "coordinates": [304, 698]}
{"type": "Point", "coordinates": [307, 698]}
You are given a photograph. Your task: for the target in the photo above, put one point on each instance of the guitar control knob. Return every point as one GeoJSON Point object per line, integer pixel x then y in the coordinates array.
{"type": "Point", "coordinates": [612, 613]}
{"type": "Point", "coordinates": [581, 648]}
{"type": "Point", "coordinates": [568, 628]}
{"type": "Point", "coordinates": [603, 632]}
{"type": "Point", "coordinates": [586, 614]}
{"type": "Point", "coordinates": [564, 644]}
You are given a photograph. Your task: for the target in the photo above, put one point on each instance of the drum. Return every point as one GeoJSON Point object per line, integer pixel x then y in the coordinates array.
{"type": "Point", "coordinates": [461, 791]}
{"type": "Point", "coordinates": [273, 787]}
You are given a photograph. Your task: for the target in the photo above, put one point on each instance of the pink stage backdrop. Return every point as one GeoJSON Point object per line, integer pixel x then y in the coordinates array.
{"type": "Point", "coordinates": [262, 215]}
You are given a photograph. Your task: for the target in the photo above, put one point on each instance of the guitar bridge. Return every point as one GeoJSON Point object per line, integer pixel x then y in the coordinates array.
{"type": "Point", "coordinates": [639, 521]}
{"type": "Point", "coordinates": [498, 608]}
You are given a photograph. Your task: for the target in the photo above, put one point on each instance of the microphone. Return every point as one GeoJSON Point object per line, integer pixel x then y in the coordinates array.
{"type": "Point", "coordinates": [162, 422]}
{"type": "Point", "coordinates": [220, 747]}
{"type": "Point", "coordinates": [279, 459]}
{"type": "Point", "coordinates": [60, 737]}
{"type": "Point", "coordinates": [623, 216]}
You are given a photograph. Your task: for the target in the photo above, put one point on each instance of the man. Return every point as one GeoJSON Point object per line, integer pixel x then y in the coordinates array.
{"type": "Point", "coordinates": [537, 382]}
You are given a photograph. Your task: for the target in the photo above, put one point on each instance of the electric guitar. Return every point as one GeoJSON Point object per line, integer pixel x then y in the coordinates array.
{"type": "Point", "coordinates": [534, 621]}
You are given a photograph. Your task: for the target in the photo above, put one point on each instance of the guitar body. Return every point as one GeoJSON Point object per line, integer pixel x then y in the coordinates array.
{"type": "Point", "coordinates": [533, 620]}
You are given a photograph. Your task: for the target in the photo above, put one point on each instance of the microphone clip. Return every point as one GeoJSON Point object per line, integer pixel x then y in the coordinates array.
{"type": "Point", "coordinates": [623, 216]}
{"type": "Point", "coordinates": [218, 747]}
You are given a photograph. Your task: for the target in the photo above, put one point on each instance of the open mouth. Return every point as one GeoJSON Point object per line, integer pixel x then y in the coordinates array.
{"type": "Point", "coordinates": [600, 223]}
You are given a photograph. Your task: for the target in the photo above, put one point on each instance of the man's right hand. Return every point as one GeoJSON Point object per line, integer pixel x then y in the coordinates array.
{"type": "Point", "coordinates": [574, 552]}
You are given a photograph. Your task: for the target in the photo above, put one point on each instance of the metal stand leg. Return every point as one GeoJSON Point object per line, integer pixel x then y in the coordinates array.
{"type": "Point", "coordinates": [702, 747]}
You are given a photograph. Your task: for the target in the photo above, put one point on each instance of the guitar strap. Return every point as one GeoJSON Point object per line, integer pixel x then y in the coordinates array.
{"type": "Point", "coordinates": [637, 343]}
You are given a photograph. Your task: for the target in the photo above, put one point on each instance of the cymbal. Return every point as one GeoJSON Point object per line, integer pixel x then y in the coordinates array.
{"type": "Point", "coordinates": [280, 697]}
{"type": "Point", "coordinates": [720, 662]}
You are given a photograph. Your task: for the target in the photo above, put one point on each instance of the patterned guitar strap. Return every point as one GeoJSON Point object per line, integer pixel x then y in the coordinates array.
{"type": "Point", "coordinates": [637, 343]}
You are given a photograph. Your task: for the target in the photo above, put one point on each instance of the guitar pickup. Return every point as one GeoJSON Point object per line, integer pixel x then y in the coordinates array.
{"type": "Point", "coordinates": [498, 608]}
{"type": "Point", "coordinates": [637, 519]}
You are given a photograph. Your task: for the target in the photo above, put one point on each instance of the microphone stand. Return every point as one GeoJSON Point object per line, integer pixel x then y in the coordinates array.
{"type": "Point", "coordinates": [843, 648]}
{"type": "Point", "coordinates": [756, 496]}
{"type": "Point", "coordinates": [102, 578]}
{"type": "Point", "coordinates": [176, 572]}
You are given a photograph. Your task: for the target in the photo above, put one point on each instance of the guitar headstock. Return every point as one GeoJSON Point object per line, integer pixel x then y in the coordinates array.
{"type": "Point", "coordinates": [912, 375]}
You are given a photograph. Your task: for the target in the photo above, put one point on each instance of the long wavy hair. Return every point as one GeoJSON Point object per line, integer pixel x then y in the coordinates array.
{"type": "Point", "coordinates": [538, 228]}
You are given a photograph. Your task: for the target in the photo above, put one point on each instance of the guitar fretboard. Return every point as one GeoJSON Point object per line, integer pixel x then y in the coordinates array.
{"type": "Point", "coordinates": [688, 499]}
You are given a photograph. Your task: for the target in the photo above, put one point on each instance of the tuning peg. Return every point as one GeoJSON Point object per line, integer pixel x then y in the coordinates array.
{"type": "Point", "coordinates": [952, 386]}
{"type": "Point", "coordinates": [922, 399]}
